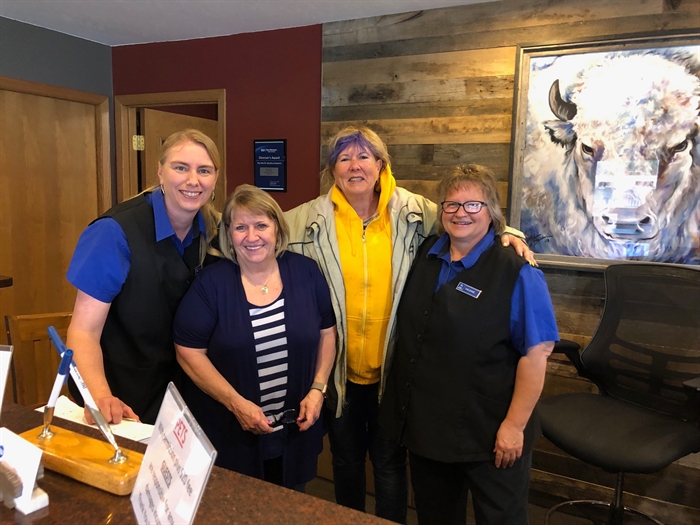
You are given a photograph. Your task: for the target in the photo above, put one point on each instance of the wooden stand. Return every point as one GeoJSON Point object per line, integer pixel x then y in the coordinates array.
{"type": "Point", "coordinates": [87, 459]}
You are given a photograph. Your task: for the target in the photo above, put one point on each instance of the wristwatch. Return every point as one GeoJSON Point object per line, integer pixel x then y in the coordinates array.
{"type": "Point", "coordinates": [320, 386]}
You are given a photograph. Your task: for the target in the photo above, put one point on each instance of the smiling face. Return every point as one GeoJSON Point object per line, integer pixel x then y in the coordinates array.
{"type": "Point", "coordinates": [466, 229]}
{"type": "Point", "coordinates": [188, 177]}
{"type": "Point", "coordinates": [356, 172]}
{"type": "Point", "coordinates": [253, 237]}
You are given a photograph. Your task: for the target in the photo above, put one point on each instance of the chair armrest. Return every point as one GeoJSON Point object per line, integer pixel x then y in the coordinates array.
{"type": "Point", "coordinates": [571, 350]}
{"type": "Point", "coordinates": [566, 346]}
{"type": "Point", "coordinates": [692, 384]}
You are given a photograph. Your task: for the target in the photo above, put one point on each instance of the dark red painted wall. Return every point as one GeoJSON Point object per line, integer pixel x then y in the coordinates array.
{"type": "Point", "coordinates": [273, 91]}
{"type": "Point", "coordinates": [208, 111]}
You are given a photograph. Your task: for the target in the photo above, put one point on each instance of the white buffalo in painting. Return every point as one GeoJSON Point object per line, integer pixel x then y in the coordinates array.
{"type": "Point", "coordinates": [611, 166]}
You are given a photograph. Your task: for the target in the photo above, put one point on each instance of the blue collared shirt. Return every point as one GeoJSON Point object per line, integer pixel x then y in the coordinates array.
{"type": "Point", "coordinates": [532, 318]}
{"type": "Point", "coordinates": [101, 260]}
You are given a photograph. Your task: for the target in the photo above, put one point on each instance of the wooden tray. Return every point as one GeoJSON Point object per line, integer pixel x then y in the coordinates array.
{"type": "Point", "coordinates": [87, 459]}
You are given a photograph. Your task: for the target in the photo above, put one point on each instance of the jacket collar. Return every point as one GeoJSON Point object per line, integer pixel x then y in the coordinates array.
{"type": "Point", "coordinates": [398, 200]}
{"type": "Point", "coordinates": [387, 185]}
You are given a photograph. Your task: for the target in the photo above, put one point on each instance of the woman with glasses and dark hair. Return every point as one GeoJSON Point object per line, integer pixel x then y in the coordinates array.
{"type": "Point", "coordinates": [364, 234]}
{"type": "Point", "coordinates": [255, 335]}
{"type": "Point", "coordinates": [475, 327]}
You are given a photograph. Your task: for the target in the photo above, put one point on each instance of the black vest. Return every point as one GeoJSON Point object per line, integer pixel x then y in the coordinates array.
{"type": "Point", "coordinates": [137, 338]}
{"type": "Point", "coordinates": [453, 374]}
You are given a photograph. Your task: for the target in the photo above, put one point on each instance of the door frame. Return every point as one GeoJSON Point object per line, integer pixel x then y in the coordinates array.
{"type": "Point", "coordinates": [125, 107]}
{"type": "Point", "coordinates": [102, 127]}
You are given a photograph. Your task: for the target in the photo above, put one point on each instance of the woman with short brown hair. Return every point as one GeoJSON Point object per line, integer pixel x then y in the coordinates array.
{"type": "Point", "coordinates": [475, 326]}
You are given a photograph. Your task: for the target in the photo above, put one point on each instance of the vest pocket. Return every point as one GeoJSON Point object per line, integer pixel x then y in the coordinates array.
{"type": "Point", "coordinates": [477, 422]}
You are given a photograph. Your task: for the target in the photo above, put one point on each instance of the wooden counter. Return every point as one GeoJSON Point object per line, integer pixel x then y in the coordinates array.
{"type": "Point", "coordinates": [228, 498]}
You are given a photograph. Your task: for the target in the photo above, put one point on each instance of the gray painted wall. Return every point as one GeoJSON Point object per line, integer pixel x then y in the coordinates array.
{"type": "Point", "coordinates": [33, 53]}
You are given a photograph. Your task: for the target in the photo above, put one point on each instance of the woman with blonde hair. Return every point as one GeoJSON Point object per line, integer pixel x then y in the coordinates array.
{"type": "Point", "coordinates": [364, 235]}
{"type": "Point", "coordinates": [132, 266]}
{"type": "Point", "coordinates": [256, 336]}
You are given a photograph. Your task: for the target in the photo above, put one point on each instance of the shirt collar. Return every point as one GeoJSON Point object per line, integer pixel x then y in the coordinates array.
{"type": "Point", "coordinates": [163, 227]}
{"type": "Point", "coordinates": [441, 249]}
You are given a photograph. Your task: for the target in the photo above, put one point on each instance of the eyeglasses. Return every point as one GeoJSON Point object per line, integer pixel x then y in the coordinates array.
{"type": "Point", "coordinates": [469, 206]}
{"type": "Point", "coordinates": [287, 417]}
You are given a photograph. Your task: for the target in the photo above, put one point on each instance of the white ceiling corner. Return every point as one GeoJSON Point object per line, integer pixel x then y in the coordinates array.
{"type": "Point", "coordinates": [123, 22]}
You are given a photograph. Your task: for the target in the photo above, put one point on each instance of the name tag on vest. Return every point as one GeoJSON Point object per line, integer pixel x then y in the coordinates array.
{"type": "Point", "coordinates": [469, 290]}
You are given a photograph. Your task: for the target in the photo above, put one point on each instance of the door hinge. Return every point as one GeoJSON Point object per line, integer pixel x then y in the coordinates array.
{"type": "Point", "coordinates": [138, 142]}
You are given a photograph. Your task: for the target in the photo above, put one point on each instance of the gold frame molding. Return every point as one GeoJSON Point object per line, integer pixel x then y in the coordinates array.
{"type": "Point", "coordinates": [125, 107]}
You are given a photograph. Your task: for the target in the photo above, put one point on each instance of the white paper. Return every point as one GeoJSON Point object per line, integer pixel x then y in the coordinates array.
{"type": "Point", "coordinates": [67, 409]}
{"type": "Point", "coordinates": [175, 468]}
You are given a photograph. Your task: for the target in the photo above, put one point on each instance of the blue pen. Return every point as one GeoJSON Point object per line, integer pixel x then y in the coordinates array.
{"type": "Point", "coordinates": [90, 404]}
{"type": "Point", "coordinates": [61, 375]}
{"type": "Point", "coordinates": [61, 349]}
{"type": "Point", "coordinates": [56, 340]}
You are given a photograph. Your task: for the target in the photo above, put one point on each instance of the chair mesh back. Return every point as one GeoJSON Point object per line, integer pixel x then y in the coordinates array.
{"type": "Point", "coordinates": [648, 339]}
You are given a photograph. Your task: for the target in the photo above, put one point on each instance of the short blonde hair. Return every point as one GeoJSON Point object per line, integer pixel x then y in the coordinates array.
{"type": "Point", "coordinates": [254, 200]}
{"type": "Point", "coordinates": [363, 137]}
{"type": "Point", "coordinates": [482, 178]}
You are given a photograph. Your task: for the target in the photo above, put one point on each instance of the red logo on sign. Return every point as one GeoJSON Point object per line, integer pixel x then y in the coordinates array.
{"type": "Point", "coordinates": [180, 432]}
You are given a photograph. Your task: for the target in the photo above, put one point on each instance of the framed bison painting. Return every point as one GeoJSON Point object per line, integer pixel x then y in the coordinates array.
{"type": "Point", "coordinates": [605, 159]}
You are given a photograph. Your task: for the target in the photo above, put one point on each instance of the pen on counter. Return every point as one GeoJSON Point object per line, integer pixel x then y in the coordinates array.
{"type": "Point", "coordinates": [61, 375]}
{"type": "Point", "coordinates": [61, 349]}
{"type": "Point", "coordinates": [90, 404]}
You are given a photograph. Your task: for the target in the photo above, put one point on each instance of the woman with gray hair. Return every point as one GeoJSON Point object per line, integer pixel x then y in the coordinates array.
{"type": "Point", "coordinates": [475, 327]}
{"type": "Point", "coordinates": [255, 335]}
{"type": "Point", "coordinates": [364, 234]}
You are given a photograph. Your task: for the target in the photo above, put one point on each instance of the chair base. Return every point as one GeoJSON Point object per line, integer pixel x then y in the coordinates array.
{"type": "Point", "coordinates": [598, 513]}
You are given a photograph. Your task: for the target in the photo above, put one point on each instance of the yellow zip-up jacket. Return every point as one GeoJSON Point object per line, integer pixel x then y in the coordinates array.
{"type": "Point", "coordinates": [365, 258]}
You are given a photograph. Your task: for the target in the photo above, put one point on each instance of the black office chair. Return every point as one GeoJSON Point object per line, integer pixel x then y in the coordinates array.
{"type": "Point", "coordinates": [645, 359]}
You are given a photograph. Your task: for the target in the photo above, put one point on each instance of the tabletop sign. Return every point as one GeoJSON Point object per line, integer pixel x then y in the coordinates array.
{"type": "Point", "coordinates": [270, 158]}
{"type": "Point", "coordinates": [23, 457]}
{"type": "Point", "coordinates": [176, 466]}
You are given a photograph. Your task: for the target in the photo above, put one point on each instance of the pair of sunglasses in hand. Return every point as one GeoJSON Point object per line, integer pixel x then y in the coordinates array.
{"type": "Point", "coordinates": [287, 417]}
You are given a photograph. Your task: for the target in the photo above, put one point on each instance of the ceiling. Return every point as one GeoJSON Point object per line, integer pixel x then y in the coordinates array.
{"type": "Point", "coordinates": [121, 22]}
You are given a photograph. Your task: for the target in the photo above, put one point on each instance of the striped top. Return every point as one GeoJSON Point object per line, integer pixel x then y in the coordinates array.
{"type": "Point", "coordinates": [270, 335]}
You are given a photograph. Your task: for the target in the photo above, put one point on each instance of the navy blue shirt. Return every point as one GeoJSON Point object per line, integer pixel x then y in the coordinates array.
{"type": "Point", "coordinates": [532, 318]}
{"type": "Point", "coordinates": [101, 260]}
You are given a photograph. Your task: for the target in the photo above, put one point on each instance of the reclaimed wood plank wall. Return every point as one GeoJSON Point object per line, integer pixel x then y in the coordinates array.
{"type": "Point", "coordinates": [437, 86]}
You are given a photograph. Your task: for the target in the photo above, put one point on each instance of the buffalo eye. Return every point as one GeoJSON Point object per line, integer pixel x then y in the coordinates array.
{"type": "Point", "coordinates": [585, 148]}
{"type": "Point", "coordinates": [678, 148]}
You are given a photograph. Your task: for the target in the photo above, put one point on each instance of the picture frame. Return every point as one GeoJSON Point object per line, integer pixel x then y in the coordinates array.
{"type": "Point", "coordinates": [270, 164]}
{"type": "Point", "coordinates": [605, 147]}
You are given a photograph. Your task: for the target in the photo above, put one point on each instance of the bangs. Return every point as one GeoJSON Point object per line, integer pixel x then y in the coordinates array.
{"type": "Point", "coordinates": [356, 139]}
